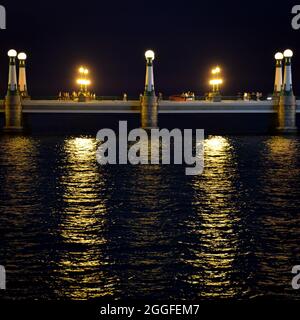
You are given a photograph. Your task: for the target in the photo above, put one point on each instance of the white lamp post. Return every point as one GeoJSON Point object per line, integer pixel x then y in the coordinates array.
{"type": "Point", "coordinates": [287, 83]}
{"type": "Point", "coordinates": [13, 106]}
{"type": "Point", "coordinates": [278, 73]}
{"type": "Point", "coordinates": [22, 75]}
{"type": "Point", "coordinates": [12, 75]}
{"type": "Point", "coordinates": [149, 82]}
{"type": "Point", "coordinates": [149, 102]}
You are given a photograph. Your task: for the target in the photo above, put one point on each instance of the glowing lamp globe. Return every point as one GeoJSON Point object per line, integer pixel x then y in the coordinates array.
{"type": "Point", "coordinates": [149, 54]}
{"type": "Point", "coordinates": [12, 53]}
{"type": "Point", "coordinates": [22, 56]}
{"type": "Point", "coordinates": [278, 56]}
{"type": "Point", "coordinates": [288, 53]}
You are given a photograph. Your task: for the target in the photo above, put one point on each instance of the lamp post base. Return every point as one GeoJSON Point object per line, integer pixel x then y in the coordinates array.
{"type": "Point", "coordinates": [13, 129]}
{"type": "Point", "coordinates": [215, 97]}
{"type": "Point", "coordinates": [13, 113]}
{"type": "Point", "coordinates": [287, 130]}
{"type": "Point", "coordinates": [149, 111]}
{"type": "Point", "coordinates": [287, 115]}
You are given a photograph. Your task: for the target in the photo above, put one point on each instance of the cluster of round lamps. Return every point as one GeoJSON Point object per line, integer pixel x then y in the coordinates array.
{"type": "Point", "coordinates": [149, 55]}
{"type": "Point", "coordinates": [13, 54]}
{"type": "Point", "coordinates": [286, 54]}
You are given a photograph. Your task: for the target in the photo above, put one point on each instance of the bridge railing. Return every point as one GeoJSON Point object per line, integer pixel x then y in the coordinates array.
{"type": "Point", "coordinates": [100, 98]}
{"type": "Point", "coordinates": [120, 98]}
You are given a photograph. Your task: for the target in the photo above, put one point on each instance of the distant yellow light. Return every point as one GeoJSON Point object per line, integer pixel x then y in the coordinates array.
{"type": "Point", "coordinates": [81, 70]}
{"type": "Point", "coordinates": [216, 81]}
{"type": "Point", "coordinates": [216, 70]}
{"type": "Point", "coordinates": [84, 82]}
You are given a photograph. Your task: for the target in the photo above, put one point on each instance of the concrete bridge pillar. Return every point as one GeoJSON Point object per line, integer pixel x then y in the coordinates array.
{"type": "Point", "coordinates": [13, 106]}
{"type": "Point", "coordinates": [287, 100]}
{"type": "Point", "coordinates": [149, 102]}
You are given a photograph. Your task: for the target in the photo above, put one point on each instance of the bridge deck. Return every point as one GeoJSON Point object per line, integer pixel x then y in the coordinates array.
{"type": "Point", "coordinates": [52, 106]}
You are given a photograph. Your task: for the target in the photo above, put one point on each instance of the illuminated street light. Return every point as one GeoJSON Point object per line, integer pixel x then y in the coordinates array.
{"type": "Point", "coordinates": [83, 70]}
{"type": "Point", "coordinates": [215, 83]}
{"type": "Point", "coordinates": [149, 102]}
{"type": "Point", "coordinates": [150, 55]}
{"type": "Point", "coordinates": [12, 77]}
{"type": "Point", "coordinates": [278, 74]}
{"type": "Point", "coordinates": [12, 53]}
{"type": "Point", "coordinates": [22, 75]}
{"type": "Point", "coordinates": [287, 80]}
{"type": "Point", "coordinates": [12, 102]}
{"type": "Point", "coordinates": [217, 70]}
{"type": "Point", "coordinates": [83, 81]}
{"type": "Point", "coordinates": [149, 83]}
{"type": "Point", "coordinates": [279, 56]}
{"type": "Point", "coordinates": [288, 53]}
{"type": "Point", "coordinates": [287, 106]}
{"type": "Point", "coordinates": [22, 56]}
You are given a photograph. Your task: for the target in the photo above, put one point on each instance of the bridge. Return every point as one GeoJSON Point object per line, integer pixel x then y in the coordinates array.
{"type": "Point", "coordinates": [20, 113]}
{"type": "Point", "coordinates": [133, 106]}
{"type": "Point", "coordinates": [226, 117]}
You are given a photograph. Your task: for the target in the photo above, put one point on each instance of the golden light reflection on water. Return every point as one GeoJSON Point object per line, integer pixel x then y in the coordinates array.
{"type": "Point", "coordinates": [76, 230]}
{"type": "Point", "coordinates": [81, 264]}
{"type": "Point", "coordinates": [216, 146]}
{"type": "Point", "coordinates": [19, 159]}
{"type": "Point", "coordinates": [276, 251]}
{"type": "Point", "coordinates": [215, 255]}
{"type": "Point", "coordinates": [281, 149]}
{"type": "Point", "coordinates": [18, 206]}
{"type": "Point", "coordinates": [282, 164]}
{"type": "Point", "coordinates": [18, 152]}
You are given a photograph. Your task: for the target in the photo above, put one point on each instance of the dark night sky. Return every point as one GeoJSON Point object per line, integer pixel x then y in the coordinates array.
{"type": "Point", "coordinates": [189, 37]}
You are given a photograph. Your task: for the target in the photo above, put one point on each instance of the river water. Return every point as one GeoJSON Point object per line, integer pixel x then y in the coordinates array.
{"type": "Point", "coordinates": [72, 229]}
